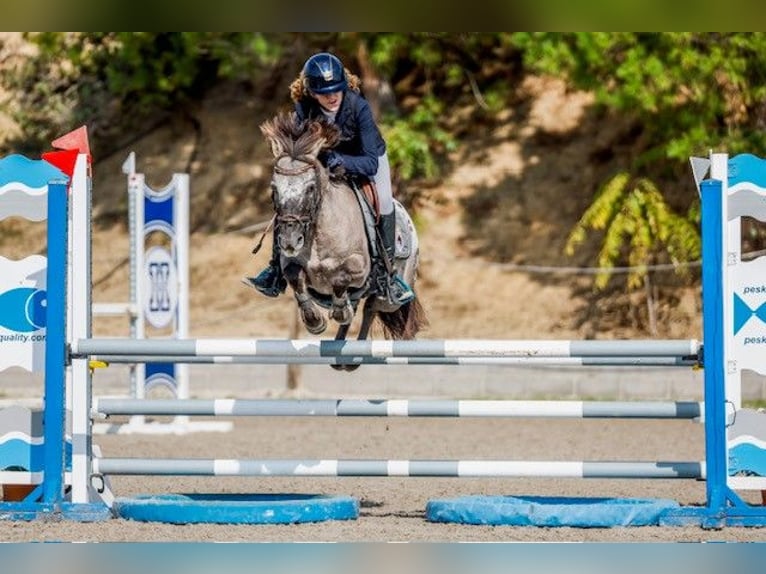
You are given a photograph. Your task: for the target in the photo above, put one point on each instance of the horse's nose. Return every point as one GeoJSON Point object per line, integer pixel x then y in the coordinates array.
{"type": "Point", "coordinates": [292, 244]}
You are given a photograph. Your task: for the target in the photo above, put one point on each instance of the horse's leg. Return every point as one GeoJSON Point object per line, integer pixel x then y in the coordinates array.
{"type": "Point", "coordinates": [368, 314]}
{"type": "Point", "coordinates": [342, 311]}
{"type": "Point", "coordinates": [311, 316]}
{"type": "Point", "coordinates": [340, 336]}
{"type": "Point", "coordinates": [342, 332]}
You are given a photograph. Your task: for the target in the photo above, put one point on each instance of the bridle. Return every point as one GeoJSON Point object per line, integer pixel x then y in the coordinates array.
{"type": "Point", "coordinates": [305, 220]}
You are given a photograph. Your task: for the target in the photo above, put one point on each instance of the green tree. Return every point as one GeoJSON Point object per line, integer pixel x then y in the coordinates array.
{"type": "Point", "coordinates": [685, 93]}
{"type": "Point", "coordinates": [116, 81]}
{"type": "Point", "coordinates": [688, 91]}
{"type": "Point", "coordinates": [639, 228]}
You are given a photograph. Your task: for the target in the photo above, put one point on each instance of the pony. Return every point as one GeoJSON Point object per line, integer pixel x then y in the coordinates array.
{"type": "Point", "coordinates": [323, 237]}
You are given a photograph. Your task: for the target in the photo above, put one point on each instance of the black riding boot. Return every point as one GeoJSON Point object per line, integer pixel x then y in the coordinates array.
{"type": "Point", "coordinates": [397, 289]}
{"type": "Point", "coordinates": [270, 281]}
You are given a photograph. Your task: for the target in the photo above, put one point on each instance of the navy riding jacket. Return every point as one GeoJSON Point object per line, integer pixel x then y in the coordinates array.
{"type": "Point", "coordinates": [361, 143]}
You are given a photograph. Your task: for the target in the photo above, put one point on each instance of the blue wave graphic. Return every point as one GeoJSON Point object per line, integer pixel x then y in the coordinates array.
{"type": "Point", "coordinates": [23, 309]}
{"type": "Point", "coordinates": [31, 172]}
{"type": "Point", "coordinates": [747, 459]}
{"type": "Point", "coordinates": [19, 454]}
{"type": "Point", "coordinates": [747, 167]}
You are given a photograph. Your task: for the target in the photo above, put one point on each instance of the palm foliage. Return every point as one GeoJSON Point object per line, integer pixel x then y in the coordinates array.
{"type": "Point", "coordinates": [638, 228]}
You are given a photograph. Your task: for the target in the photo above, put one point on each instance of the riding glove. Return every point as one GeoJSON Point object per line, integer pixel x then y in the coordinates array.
{"type": "Point", "coordinates": [332, 159]}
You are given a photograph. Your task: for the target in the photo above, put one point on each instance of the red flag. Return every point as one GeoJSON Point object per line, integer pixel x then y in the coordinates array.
{"type": "Point", "coordinates": [77, 140]}
{"type": "Point", "coordinates": [64, 160]}
{"type": "Point", "coordinates": [72, 144]}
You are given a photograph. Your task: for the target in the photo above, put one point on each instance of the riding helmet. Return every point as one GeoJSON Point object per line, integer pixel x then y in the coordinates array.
{"type": "Point", "coordinates": [324, 74]}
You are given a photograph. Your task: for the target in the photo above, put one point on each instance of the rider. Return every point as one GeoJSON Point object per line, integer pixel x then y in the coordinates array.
{"type": "Point", "coordinates": [325, 89]}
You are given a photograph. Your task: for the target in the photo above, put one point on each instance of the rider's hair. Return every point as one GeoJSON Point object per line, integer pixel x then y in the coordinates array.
{"type": "Point", "coordinates": [299, 90]}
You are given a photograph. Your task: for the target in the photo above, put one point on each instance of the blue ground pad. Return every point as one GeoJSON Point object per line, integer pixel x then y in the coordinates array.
{"type": "Point", "coordinates": [237, 508]}
{"type": "Point", "coordinates": [550, 511]}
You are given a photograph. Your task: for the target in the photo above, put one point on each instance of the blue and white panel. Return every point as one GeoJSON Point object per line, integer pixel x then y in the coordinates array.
{"type": "Point", "coordinates": [747, 283]}
{"type": "Point", "coordinates": [21, 439]}
{"type": "Point", "coordinates": [159, 207]}
{"type": "Point", "coordinates": [747, 279]}
{"type": "Point", "coordinates": [22, 446]}
{"type": "Point", "coordinates": [160, 287]}
{"type": "Point", "coordinates": [160, 375]}
{"type": "Point", "coordinates": [745, 320]}
{"type": "Point", "coordinates": [164, 288]}
{"type": "Point", "coordinates": [24, 187]}
{"type": "Point", "coordinates": [23, 295]}
{"type": "Point", "coordinates": [160, 272]}
{"type": "Point", "coordinates": [747, 444]}
{"type": "Point", "coordinates": [23, 299]}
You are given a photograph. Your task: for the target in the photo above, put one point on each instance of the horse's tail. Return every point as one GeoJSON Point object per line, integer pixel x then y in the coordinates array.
{"type": "Point", "coordinates": [405, 322]}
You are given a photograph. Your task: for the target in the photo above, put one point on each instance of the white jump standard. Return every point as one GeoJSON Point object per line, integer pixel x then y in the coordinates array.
{"type": "Point", "coordinates": [158, 223]}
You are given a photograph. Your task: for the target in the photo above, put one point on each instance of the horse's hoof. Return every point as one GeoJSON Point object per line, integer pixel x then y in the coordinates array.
{"type": "Point", "coordinates": [343, 315]}
{"type": "Point", "coordinates": [347, 368]}
{"type": "Point", "coordinates": [317, 329]}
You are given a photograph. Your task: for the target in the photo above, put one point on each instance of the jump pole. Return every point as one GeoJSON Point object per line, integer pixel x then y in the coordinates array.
{"type": "Point", "coordinates": [401, 408]}
{"type": "Point", "coordinates": [691, 361]}
{"type": "Point", "coordinates": [384, 348]}
{"type": "Point", "coordinates": [412, 468]}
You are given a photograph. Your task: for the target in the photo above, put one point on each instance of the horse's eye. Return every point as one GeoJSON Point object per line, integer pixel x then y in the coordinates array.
{"type": "Point", "coordinates": [310, 188]}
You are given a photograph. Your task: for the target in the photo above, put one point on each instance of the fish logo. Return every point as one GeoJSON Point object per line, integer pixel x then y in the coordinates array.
{"type": "Point", "coordinates": [743, 313]}
{"type": "Point", "coordinates": [23, 309]}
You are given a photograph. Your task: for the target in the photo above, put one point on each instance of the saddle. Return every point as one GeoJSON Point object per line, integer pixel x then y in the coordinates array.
{"type": "Point", "coordinates": [370, 194]}
{"type": "Point", "coordinates": [367, 196]}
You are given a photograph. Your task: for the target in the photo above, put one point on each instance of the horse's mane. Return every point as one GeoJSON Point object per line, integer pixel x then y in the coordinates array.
{"type": "Point", "coordinates": [298, 138]}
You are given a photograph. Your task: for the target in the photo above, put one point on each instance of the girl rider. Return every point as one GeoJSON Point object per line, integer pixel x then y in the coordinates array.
{"type": "Point", "coordinates": [325, 89]}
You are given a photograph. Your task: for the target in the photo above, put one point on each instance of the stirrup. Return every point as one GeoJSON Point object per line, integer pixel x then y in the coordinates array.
{"type": "Point", "coordinates": [399, 293]}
